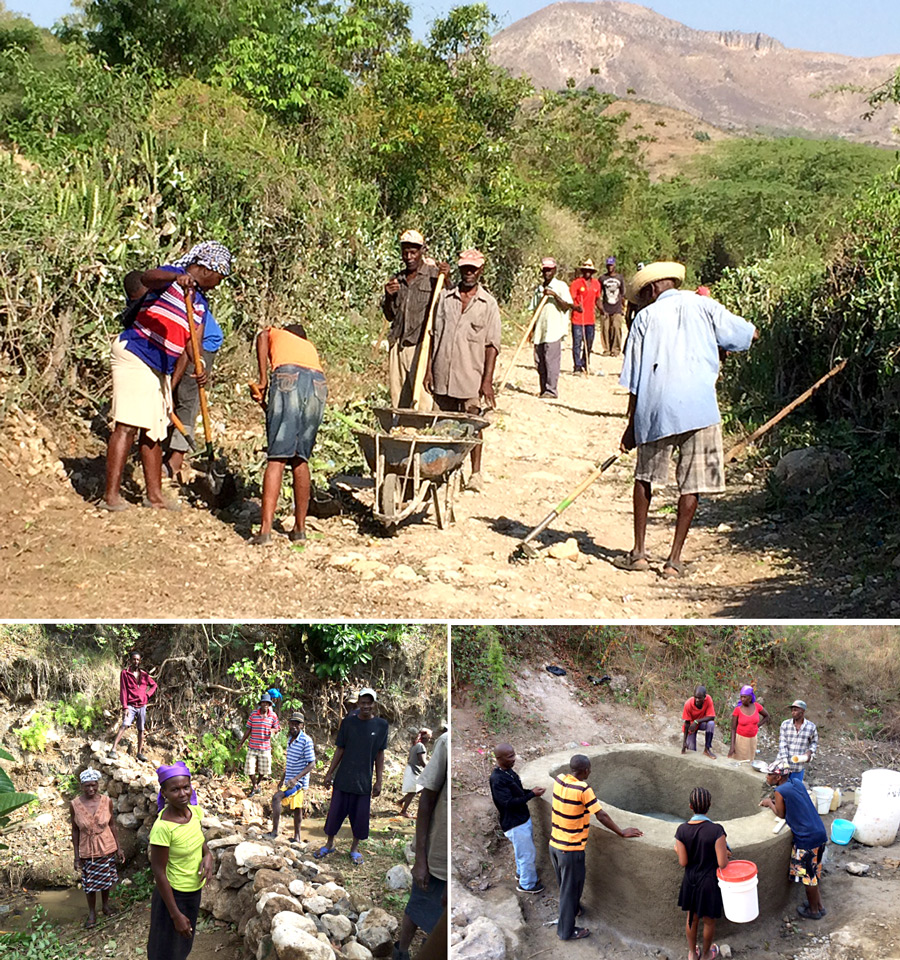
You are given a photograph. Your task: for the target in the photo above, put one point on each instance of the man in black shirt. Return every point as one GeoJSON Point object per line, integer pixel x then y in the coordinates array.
{"type": "Point", "coordinates": [361, 741]}
{"type": "Point", "coordinates": [511, 800]}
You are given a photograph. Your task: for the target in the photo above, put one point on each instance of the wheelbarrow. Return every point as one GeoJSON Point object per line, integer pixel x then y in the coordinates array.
{"type": "Point", "coordinates": [416, 456]}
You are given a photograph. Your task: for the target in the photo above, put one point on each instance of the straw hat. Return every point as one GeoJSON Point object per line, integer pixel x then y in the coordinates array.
{"type": "Point", "coordinates": [663, 270]}
{"type": "Point", "coordinates": [588, 265]}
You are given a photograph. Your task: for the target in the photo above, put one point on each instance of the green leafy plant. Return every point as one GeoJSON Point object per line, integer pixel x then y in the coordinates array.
{"type": "Point", "coordinates": [40, 942]}
{"type": "Point", "coordinates": [342, 647]}
{"type": "Point", "coordinates": [141, 888]}
{"type": "Point", "coordinates": [34, 736]}
{"type": "Point", "coordinates": [215, 750]}
{"type": "Point", "coordinates": [79, 712]}
{"type": "Point", "coordinates": [10, 799]}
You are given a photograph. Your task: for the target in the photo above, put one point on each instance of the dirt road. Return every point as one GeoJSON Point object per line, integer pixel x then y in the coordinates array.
{"type": "Point", "coordinates": [60, 557]}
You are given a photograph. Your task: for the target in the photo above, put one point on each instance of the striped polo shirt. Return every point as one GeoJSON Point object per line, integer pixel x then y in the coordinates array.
{"type": "Point", "coordinates": [573, 804]}
{"type": "Point", "coordinates": [261, 729]}
{"type": "Point", "coordinates": [300, 753]}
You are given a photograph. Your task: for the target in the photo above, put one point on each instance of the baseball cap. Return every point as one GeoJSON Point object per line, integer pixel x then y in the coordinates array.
{"type": "Point", "coordinates": [412, 236]}
{"type": "Point", "coordinates": [370, 692]}
{"type": "Point", "coordinates": [472, 258]}
{"type": "Point", "coordinates": [610, 261]}
{"type": "Point", "coordinates": [298, 717]}
{"type": "Point", "coordinates": [548, 262]}
{"type": "Point", "coordinates": [799, 703]}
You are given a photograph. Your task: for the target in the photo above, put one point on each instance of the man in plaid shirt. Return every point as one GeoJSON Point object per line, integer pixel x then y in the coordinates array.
{"type": "Point", "coordinates": [798, 738]}
{"type": "Point", "coordinates": [261, 724]}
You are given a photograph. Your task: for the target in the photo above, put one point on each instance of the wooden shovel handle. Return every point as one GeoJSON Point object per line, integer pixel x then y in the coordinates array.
{"type": "Point", "coordinates": [198, 364]}
{"type": "Point", "coordinates": [425, 345]}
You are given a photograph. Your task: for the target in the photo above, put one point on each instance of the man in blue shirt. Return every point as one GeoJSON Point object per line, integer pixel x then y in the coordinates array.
{"type": "Point", "coordinates": [299, 760]}
{"type": "Point", "coordinates": [791, 802]}
{"type": "Point", "coordinates": [670, 370]}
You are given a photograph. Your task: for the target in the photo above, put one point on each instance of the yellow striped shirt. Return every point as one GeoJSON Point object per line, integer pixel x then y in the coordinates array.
{"type": "Point", "coordinates": [573, 804]}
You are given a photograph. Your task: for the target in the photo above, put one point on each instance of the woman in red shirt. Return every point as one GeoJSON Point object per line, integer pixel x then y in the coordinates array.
{"type": "Point", "coordinates": [746, 719]}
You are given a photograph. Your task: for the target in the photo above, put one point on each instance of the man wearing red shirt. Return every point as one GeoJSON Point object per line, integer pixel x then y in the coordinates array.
{"type": "Point", "coordinates": [699, 714]}
{"type": "Point", "coordinates": [585, 290]}
{"type": "Point", "coordinates": [261, 724]}
{"type": "Point", "coordinates": [136, 687]}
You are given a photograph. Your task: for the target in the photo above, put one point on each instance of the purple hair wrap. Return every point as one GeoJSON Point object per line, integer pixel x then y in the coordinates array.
{"type": "Point", "coordinates": [747, 690]}
{"type": "Point", "coordinates": [179, 769]}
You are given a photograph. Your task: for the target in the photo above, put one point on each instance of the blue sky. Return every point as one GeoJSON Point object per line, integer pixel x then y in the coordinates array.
{"type": "Point", "coordinates": [866, 28]}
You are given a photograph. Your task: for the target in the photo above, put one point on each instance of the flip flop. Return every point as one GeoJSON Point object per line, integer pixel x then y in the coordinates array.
{"type": "Point", "coordinates": [114, 507]}
{"type": "Point", "coordinates": [580, 933]}
{"type": "Point", "coordinates": [673, 569]}
{"type": "Point", "coordinates": [323, 852]}
{"type": "Point", "coordinates": [357, 858]}
{"type": "Point", "coordinates": [713, 951]}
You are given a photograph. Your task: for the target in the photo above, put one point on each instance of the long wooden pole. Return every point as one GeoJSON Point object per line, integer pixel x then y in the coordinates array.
{"type": "Point", "coordinates": [739, 448]}
{"type": "Point", "coordinates": [198, 368]}
{"type": "Point", "coordinates": [522, 343]}
{"type": "Point", "coordinates": [425, 348]}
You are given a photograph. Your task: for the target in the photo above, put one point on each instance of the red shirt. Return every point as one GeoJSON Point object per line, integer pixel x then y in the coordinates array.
{"type": "Point", "coordinates": [261, 729]}
{"type": "Point", "coordinates": [747, 726]}
{"type": "Point", "coordinates": [136, 693]}
{"type": "Point", "coordinates": [585, 294]}
{"type": "Point", "coordinates": [692, 713]}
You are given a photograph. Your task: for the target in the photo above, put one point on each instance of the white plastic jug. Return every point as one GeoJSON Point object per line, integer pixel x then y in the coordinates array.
{"type": "Point", "coordinates": [877, 818]}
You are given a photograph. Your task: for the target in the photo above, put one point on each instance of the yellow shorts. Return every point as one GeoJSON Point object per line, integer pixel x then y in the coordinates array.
{"type": "Point", "coordinates": [294, 801]}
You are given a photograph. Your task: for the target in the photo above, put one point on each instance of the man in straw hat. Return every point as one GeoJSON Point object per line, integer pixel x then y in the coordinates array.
{"type": "Point", "coordinates": [550, 328]}
{"type": "Point", "coordinates": [585, 291]}
{"type": "Point", "coordinates": [670, 369]}
{"type": "Point", "coordinates": [465, 348]}
{"type": "Point", "coordinates": [407, 298]}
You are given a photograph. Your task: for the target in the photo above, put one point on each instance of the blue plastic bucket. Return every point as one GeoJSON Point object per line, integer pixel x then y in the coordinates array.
{"type": "Point", "coordinates": [842, 831]}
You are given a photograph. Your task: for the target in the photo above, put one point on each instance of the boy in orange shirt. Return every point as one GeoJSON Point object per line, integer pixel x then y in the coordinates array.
{"type": "Point", "coordinates": [296, 405]}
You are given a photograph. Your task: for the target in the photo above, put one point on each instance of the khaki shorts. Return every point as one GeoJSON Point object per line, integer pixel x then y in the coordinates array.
{"type": "Point", "coordinates": [258, 761]}
{"type": "Point", "coordinates": [701, 461]}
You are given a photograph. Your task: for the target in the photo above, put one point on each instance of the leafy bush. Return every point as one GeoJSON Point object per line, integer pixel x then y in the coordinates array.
{"type": "Point", "coordinates": [40, 942]}
{"type": "Point", "coordinates": [215, 750]}
{"type": "Point", "coordinates": [34, 736]}
{"type": "Point", "coordinates": [80, 712]}
{"type": "Point", "coordinates": [480, 661]}
{"type": "Point", "coordinates": [10, 799]}
{"type": "Point", "coordinates": [341, 648]}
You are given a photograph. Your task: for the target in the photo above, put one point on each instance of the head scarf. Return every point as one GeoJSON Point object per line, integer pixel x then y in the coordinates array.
{"type": "Point", "coordinates": [209, 254]}
{"type": "Point", "coordinates": [747, 689]}
{"type": "Point", "coordinates": [164, 773]}
{"type": "Point", "coordinates": [90, 775]}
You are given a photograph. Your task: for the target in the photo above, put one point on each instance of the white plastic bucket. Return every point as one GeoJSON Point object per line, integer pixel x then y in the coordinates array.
{"type": "Point", "coordinates": [823, 798]}
{"type": "Point", "coordinates": [877, 818]}
{"type": "Point", "coordinates": [739, 897]}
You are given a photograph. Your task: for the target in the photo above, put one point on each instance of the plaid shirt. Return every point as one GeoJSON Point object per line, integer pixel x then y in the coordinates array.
{"type": "Point", "coordinates": [792, 741]}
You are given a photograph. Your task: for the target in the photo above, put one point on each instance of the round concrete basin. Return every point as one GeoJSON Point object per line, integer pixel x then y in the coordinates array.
{"type": "Point", "coordinates": [632, 885]}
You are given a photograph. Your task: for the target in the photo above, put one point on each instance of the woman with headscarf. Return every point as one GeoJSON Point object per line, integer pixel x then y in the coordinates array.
{"type": "Point", "coordinates": [294, 412]}
{"type": "Point", "coordinates": [746, 719]}
{"type": "Point", "coordinates": [414, 766]}
{"type": "Point", "coordinates": [96, 842]}
{"type": "Point", "coordinates": [181, 863]}
{"type": "Point", "coordinates": [150, 356]}
{"type": "Point", "coordinates": [702, 848]}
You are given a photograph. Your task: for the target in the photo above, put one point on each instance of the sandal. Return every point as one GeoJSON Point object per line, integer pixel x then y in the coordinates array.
{"type": "Point", "coordinates": [323, 852]}
{"type": "Point", "coordinates": [357, 858]}
{"type": "Point", "coordinates": [580, 933]}
{"type": "Point", "coordinates": [633, 562]}
{"type": "Point", "coordinates": [114, 507]}
{"type": "Point", "coordinates": [672, 569]}
{"type": "Point", "coordinates": [261, 539]}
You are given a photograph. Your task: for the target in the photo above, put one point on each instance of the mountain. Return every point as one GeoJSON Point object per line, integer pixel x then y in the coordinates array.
{"type": "Point", "coordinates": [747, 81]}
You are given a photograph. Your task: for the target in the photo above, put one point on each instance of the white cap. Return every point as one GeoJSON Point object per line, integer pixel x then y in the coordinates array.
{"type": "Point", "coordinates": [370, 692]}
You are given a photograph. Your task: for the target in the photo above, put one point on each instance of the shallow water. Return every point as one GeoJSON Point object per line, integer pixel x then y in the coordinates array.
{"type": "Point", "coordinates": [61, 906]}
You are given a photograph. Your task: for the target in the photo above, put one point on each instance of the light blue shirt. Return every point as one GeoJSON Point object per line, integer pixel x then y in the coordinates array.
{"type": "Point", "coordinates": [672, 362]}
{"type": "Point", "coordinates": [300, 752]}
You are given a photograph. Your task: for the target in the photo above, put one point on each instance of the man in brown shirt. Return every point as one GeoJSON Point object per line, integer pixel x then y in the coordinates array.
{"type": "Point", "coordinates": [464, 349]}
{"type": "Point", "coordinates": [407, 297]}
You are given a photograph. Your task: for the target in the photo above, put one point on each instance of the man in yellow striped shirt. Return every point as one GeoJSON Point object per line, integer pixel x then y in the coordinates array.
{"type": "Point", "coordinates": [573, 803]}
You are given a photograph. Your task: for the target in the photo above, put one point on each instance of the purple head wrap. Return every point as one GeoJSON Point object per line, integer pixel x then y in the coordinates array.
{"type": "Point", "coordinates": [179, 769]}
{"type": "Point", "coordinates": [747, 690]}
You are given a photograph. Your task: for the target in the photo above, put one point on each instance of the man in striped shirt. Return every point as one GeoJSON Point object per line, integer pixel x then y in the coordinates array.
{"type": "Point", "coordinates": [261, 724]}
{"type": "Point", "coordinates": [299, 759]}
{"type": "Point", "coordinates": [573, 803]}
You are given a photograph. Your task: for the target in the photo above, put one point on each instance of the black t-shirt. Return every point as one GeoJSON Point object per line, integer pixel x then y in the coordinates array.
{"type": "Point", "coordinates": [361, 740]}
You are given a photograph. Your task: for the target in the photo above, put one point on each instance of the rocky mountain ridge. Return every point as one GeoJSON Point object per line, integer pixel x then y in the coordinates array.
{"type": "Point", "coordinates": [744, 81]}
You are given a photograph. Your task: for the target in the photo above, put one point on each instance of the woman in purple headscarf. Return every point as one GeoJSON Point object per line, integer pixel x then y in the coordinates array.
{"type": "Point", "coordinates": [181, 864]}
{"type": "Point", "coordinates": [746, 720]}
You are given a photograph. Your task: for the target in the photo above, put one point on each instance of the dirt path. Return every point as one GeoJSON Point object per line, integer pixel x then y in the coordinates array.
{"type": "Point", "coordinates": [553, 713]}
{"type": "Point", "coordinates": [62, 558]}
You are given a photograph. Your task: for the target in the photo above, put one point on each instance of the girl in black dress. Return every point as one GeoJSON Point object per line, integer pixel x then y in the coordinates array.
{"type": "Point", "coordinates": [701, 848]}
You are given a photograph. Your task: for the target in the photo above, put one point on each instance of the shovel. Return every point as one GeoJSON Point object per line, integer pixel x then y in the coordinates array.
{"type": "Point", "coordinates": [216, 473]}
{"type": "Point", "coordinates": [525, 550]}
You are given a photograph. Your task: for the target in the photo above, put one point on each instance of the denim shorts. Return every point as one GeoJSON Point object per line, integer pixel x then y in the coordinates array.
{"type": "Point", "coordinates": [295, 410]}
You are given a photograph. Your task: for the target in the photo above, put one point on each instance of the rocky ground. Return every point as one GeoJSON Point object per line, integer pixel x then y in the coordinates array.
{"type": "Point", "coordinates": [490, 920]}
{"type": "Point", "coordinates": [63, 558]}
{"type": "Point", "coordinates": [331, 902]}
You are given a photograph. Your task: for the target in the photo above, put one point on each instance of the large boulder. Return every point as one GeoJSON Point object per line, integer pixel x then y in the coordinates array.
{"type": "Point", "coordinates": [484, 941]}
{"type": "Point", "coordinates": [292, 940]}
{"type": "Point", "coordinates": [278, 880]}
{"type": "Point", "coordinates": [246, 851]}
{"type": "Point", "coordinates": [228, 870]}
{"type": "Point", "coordinates": [355, 951]}
{"type": "Point", "coordinates": [810, 469]}
{"type": "Point", "coordinates": [316, 904]}
{"type": "Point", "coordinates": [375, 931]}
{"type": "Point", "coordinates": [333, 891]}
{"type": "Point", "coordinates": [270, 905]}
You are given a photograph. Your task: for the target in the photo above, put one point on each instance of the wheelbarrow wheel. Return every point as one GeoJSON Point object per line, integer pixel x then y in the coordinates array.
{"type": "Point", "coordinates": [391, 495]}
